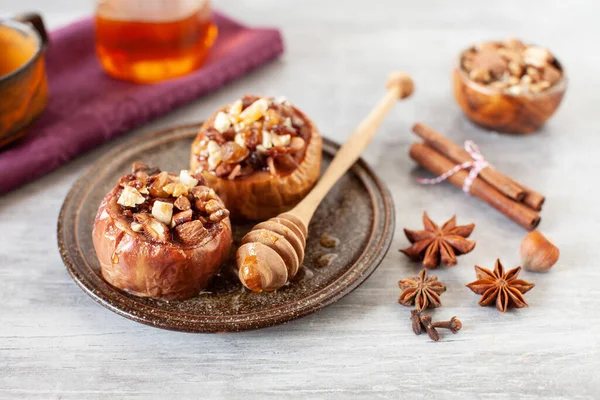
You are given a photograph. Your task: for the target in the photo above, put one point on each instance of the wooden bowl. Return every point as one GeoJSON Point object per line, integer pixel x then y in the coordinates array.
{"type": "Point", "coordinates": [503, 112]}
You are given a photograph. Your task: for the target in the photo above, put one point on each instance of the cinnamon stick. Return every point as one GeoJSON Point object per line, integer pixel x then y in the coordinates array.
{"type": "Point", "coordinates": [532, 198]}
{"type": "Point", "coordinates": [438, 164]}
{"type": "Point", "coordinates": [504, 184]}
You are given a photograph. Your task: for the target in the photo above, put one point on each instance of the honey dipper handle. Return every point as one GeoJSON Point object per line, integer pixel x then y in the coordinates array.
{"type": "Point", "coordinates": [399, 85]}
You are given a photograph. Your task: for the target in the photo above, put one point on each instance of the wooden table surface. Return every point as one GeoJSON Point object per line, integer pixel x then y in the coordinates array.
{"type": "Point", "coordinates": [57, 343]}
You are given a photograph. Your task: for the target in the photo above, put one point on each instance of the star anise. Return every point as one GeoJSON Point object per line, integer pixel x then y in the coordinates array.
{"type": "Point", "coordinates": [434, 242]}
{"type": "Point", "coordinates": [423, 291]}
{"type": "Point", "coordinates": [499, 287]}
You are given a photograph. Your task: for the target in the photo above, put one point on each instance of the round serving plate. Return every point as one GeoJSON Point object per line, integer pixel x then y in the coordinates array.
{"type": "Point", "coordinates": [358, 211]}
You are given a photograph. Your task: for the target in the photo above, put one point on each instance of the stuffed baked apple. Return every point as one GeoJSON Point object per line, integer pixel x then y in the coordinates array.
{"type": "Point", "coordinates": [161, 235]}
{"type": "Point", "coordinates": [261, 155]}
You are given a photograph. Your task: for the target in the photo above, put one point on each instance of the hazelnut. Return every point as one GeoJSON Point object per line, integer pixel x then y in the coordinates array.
{"type": "Point", "coordinates": [538, 253]}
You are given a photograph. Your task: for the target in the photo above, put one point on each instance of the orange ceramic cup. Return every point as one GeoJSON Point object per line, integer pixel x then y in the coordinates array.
{"type": "Point", "coordinates": [23, 83]}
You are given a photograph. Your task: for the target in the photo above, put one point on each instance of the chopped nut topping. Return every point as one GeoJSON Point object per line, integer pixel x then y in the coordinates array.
{"type": "Point", "coordinates": [218, 215]}
{"type": "Point", "coordinates": [204, 193]}
{"type": "Point", "coordinates": [280, 141]}
{"type": "Point", "coordinates": [214, 154]}
{"type": "Point", "coordinates": [235, 110]}
{"type": "Point", "coordinates": [187, 180]}
{"type": "Point", "coordinates": [247, 134]}
{"type": "Point", "coordinates": [254, 111]}
{"type": "Point", "coordinates": [212, 206]}
{"type": "Point", "coordinates": [130, 197]}
{"type": "Point", "coordinates": [162, 211]}
{"type": "Point", "coordinates": [511, 67]}
{"type": "Point", "coordinates": [155, 229]}
{"type": "Point", "coordinates": [239, 139]}
{"type": "Point", "coordinates": [222, 122]}
{"type": "Point", "coordinates": [191, 233]}
{"type": "Point", "coordinates": [156, 188]}
{"type": "Point", "coordinates": [176, 189]}
{"type": "Point", "coordinates": [171, 201]}
{"type": "Point", "coordinates": [182, 203]}
{"type": "Point", "coordinates": [182, 217]}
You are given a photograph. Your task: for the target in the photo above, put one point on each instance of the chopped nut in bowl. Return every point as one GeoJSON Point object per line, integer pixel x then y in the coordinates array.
{"type": "Point", "coordinates": [509, 86]}
{"type": "Point", "coordinates": [261, 155]}
{"type": "Point", "coordinates": [161, 235]}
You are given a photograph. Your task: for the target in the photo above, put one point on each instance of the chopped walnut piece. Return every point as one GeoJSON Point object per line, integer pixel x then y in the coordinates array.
{"type": "Point", "coordinates": [130, 197]}
{"type": "Point", "coordinates": [176, 189]}
{"type": "Point", "coordinates": [182, 217]}
{"type": "Point", "coordinates": [212, 206]}
{"type": "Point", "coordinates": [182, 203]}
{"type": "Point", "coordinates": [218, 215]}
{"type": "Point", "coordinates": [191, 233]}
{"type": "Point", "coordinates": [156, 188]}
{"type": "Point", "coordinates": [155, 229]}
{"type": "Point", "coordinates": [203, 193]}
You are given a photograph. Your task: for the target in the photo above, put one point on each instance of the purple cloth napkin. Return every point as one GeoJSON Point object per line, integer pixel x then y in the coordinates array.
{"type": "Point", "coordinates": [87, 107]}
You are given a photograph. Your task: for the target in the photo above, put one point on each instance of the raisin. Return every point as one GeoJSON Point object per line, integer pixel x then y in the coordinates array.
{"type": "Point", "coordinates": [256, 161]}
{"type": "Point", "coordinates": [233, 153]}
{"type": "Point", "coordinates": [253, 138]}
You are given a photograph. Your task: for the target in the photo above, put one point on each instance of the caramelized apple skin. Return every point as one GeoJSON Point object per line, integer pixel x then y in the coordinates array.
{"type": "Point", "coordinates": [132, 262]}
{"type": "Point", "coordinates": [260, 195]}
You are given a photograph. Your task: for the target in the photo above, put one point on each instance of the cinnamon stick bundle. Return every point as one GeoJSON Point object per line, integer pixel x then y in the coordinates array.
{"type": "Point", "coordinates": [496, 179]}
{"type": "Point", "coordinates": [438, 164]}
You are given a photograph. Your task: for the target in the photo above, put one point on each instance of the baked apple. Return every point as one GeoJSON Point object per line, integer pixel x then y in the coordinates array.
{"type": "Point", "coordinates": [261, 155]}
{"type": "Point", "coordinates": [161, 235]}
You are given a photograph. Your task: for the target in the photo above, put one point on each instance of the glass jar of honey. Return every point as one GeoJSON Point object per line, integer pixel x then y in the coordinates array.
{"type": "Point", "coordinates": [148, 41]}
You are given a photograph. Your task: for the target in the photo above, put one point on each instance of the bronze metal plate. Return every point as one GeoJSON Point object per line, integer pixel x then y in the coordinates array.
{"type": "Point", "coordinates": [358, 211]}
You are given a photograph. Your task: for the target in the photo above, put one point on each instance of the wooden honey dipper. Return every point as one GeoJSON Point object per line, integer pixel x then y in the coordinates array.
{"type": "Point", "coordinates": [273, 250]}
